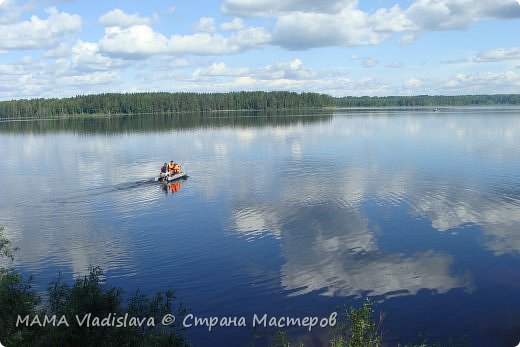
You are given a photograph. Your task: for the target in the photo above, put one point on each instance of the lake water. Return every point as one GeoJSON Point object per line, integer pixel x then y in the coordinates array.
{"type": "Point", "coordinates": [289, 214]}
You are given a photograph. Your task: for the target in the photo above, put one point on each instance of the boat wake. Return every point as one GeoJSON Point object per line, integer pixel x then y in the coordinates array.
{"type": "Point", "coordinates": [86, 194]}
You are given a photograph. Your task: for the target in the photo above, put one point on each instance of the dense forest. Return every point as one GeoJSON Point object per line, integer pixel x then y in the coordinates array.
{"type": "Point", "coordinates": [152, 103]}
{"type": "Point", "coordinates": [142, 103]}
{"type": "Point", "coordinates": [429, 100]}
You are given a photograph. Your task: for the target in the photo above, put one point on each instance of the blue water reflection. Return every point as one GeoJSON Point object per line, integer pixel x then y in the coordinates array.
{"type": "Point", "coordinates": [289, 215]}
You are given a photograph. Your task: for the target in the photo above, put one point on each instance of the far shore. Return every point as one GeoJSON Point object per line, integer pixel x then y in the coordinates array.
{"type": "Point", "coordinates": [115, 105]}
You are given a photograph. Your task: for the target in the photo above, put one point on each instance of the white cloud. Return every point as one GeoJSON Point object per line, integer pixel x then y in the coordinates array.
{"type": "Point", "coordinates": [393, 20]}
{"type": "Point", "coordinates": [437, 15]}
{"type": "Point", "coordinates": [303, 25]}
{"type": "Point", "coordinates": [172, 62]}
{"type": "Point", "coordinates": [281, 75]}
{"type": "Point", "coordinates": [413, 83]}
{"type": "Point", "coordinates": [118, 18]}
{"type": "Point", "coordinates": [277, 76]}
{"type": "Point", "coordinates": [498, 9]}
{"type": "Point", "coordinates": [94, 78]}
{"type": "Point", "coordinates": [253, 8]}
{"type": "Point", "coordinates": [251, 37]}
{"type": "Point", "coordinates": [498, 54]}
{"type": "Point", "coordinates": [135, 42]}
{"type": "Point", "coordinates": [291, 24]}
{"type": "Point", "coordinates": [11, 70]}
{"type": "Point", "coordinates": [202, 44]}
{"type": "Point", "coordinates": [26, 60]}
{"type": "Point", "coordinates": [235, 24]}
{"type": "Point", "coordinates": [244, 82]}
{"type": "Point", "coordinates": [206, 25]}
{"type": "Point", "coordinates": [301, 30]}
{"type": "Point", "coordinates": [141, 41]}
{"type": "Point", "coordinates": [62, 51]}
{"type": "Point", "coordinates": [52, 78]}
{"type": "Point", "coordinates": [86, 56]}
{"type": "Point", "coordinates": [483, 82]}
{"type": "Point", "coordinates": [39, 33]}
{"type": "Point", "coordinates": [294, 76]}
{"type": "Point", "coordinates": [427, 15]}
{"type": "Point", "coordinates": [370, 62]}
{"type": "Point", "coordinates": [10, 11]}
{"type": "Point", "coordinates": [220, 70]}
{"type": "Point", "coordinates": [289, 70]}
{"type": "Point", "coordinates": [216, 44]}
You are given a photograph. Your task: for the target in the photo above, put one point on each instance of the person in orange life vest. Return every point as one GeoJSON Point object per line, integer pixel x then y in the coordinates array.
{"type": "Point", "coordinates": [171, 165]}
{"type": "Point", "coordinates": [176, 168]}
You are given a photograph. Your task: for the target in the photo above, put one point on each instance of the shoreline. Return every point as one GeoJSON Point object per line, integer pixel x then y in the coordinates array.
{"type": "Point", "coordinates": [205, 112]}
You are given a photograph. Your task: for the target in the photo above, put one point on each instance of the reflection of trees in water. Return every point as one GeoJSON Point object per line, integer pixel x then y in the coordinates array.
{"type": "Point", "coordinates": [167, 122]}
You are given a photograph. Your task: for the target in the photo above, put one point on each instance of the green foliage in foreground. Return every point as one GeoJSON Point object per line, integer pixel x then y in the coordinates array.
{"type": "Point", "coordinates": [16, 297]}
{"type": "Point", "coordinates": [356, 327]}
{"type": "Point", "coordinates": [362, 329]}
{"type": "Point", "coordinates": [87, 295]}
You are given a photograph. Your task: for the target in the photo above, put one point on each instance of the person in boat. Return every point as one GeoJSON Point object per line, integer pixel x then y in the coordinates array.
{"type": "Point", "coordinates": [164, 170]}
{"type": "Point", "coordinates": [176, 168]}
{"type": "Point", "coordinates": [171, 165]}
{"type": "Point", "coordinates": [173, 168]}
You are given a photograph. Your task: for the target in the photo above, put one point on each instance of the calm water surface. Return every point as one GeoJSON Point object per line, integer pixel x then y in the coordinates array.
{"type": "Point", "coordinates": [284, 214]}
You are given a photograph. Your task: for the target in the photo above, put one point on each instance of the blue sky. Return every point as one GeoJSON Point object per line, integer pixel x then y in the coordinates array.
{"type": "Point", "coordinates": [59, 48]}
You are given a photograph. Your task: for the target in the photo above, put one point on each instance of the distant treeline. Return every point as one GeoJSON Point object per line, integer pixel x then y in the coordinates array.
{"type": "Point", "coordinates": [429, 100]}
{"type": "Point", "coordinates": [139, 103]}
{"type": "Point", "coordinates": [152, 103]}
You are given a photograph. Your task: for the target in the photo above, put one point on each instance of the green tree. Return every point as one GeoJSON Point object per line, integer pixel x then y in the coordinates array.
{"type": "Point", "coordinates": [17, 297]}
{"type": "Point", "coordinates": [87, 295]}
